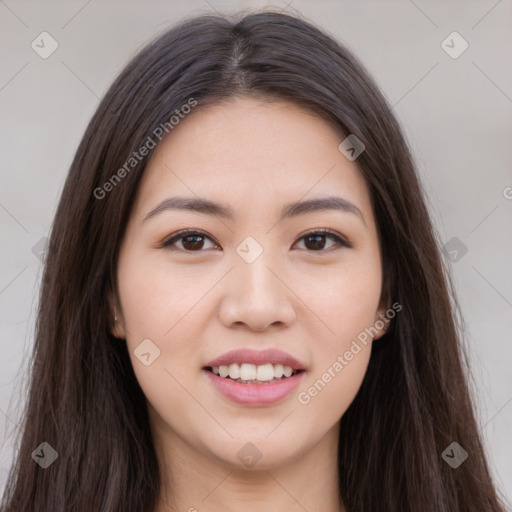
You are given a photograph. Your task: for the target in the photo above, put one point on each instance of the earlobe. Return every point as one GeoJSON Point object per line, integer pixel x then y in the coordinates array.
{"type": "Point", "coordinates": [381, 323]}
{"type": "Point", "coordinates": [117, 328]}
{"type": "Point", "coordinates": [114, 329]}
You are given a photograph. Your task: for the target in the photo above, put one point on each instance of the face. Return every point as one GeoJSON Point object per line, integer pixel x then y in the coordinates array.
{"type": "Point", "coordinates": [255, 275]}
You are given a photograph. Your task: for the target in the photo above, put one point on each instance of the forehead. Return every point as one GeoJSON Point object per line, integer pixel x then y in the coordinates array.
{"type": "Point", "coordinates": [251, 153]}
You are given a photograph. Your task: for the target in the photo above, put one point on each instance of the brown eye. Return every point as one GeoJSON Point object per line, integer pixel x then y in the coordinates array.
{"type": "Point", "coordinates": [191, 241]}
{"type": "Point", "coordinates": [315, 241]}
{"type": "Point", "coordinates": [197, 241]}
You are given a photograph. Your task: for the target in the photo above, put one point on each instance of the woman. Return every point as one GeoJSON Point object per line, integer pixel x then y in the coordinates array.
{"type": "Point", "coordinates": [244, 303]}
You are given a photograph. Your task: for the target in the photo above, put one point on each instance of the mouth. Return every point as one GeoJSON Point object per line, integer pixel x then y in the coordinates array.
{"type": "Point", "coordinates": [255, 377]}
{"type": "Point", "coordinates": [247, 391]}
{"type": "Point", "coordinates": [246, 373]}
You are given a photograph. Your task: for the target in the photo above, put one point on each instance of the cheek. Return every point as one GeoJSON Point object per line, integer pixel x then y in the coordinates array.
{"type": "Point", "coordinates": [163, 307]}
{"type": "Point", "coordinates": [157, 307]}
{"type": "Point", "coordinates": [159, 301]}
{"type": "Point", "coordinates": [346, 304]}
{"type": "Point", "coordinates": [331, 388]}
{"type": "Point", "coordinates": [345, 300]}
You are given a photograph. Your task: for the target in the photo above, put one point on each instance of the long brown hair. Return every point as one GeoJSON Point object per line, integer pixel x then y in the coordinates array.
{"type": "Point", "coordinates": [84, 399]}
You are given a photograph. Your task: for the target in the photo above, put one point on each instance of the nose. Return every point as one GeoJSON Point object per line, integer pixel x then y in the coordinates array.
{"type": "Point", "coordinates": [257, 297]}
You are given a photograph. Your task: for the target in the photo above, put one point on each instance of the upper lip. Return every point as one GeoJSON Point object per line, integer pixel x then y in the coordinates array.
{"type": "Point", "coordinates": [257, 357]}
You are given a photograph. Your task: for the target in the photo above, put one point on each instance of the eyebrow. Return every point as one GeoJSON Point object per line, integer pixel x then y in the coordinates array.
{"type": "Point", "coordinates": [208, 207]}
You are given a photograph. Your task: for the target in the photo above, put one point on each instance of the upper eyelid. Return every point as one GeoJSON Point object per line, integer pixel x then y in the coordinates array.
{"type": "Point", "coordinates": [186, 232]}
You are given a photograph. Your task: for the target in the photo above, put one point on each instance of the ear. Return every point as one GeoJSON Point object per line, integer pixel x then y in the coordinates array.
{"type": "Point", "coordinates": [115, 316]}
{"type": "Point", "coordinates": [382, 322]}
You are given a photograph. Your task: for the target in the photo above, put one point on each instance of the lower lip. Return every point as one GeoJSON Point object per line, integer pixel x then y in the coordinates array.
{"type": "Point", "coordinates": [255, 394]}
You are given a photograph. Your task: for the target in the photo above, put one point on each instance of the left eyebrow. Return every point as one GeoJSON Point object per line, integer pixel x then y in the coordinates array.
{"type": "Point", "coordinates": [208, 207]}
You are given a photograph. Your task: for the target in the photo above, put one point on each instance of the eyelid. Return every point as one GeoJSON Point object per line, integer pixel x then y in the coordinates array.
{"type": "Point", "coordinates": [340, 239]}
{"type": "Point", "coordinates": [167, 242]}
{"type": "Point", "coordinates": [325, 231]}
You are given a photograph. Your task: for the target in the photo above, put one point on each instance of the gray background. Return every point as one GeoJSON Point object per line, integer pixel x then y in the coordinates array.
{"type": "Point", "coordinates": [456, 114]}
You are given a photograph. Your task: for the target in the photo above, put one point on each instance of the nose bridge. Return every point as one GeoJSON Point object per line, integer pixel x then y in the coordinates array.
{"type": "Point", "coordinates": [253, 277]}
{"type": "Point", "coordinates": [255, 295]}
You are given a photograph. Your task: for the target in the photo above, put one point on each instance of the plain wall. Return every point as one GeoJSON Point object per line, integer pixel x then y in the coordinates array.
{"type": "Point", "coordinates": [456, 114]}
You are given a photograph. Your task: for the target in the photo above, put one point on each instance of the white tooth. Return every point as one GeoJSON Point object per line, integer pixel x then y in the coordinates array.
{"type": "Point", "coordinates": [215, 369]}
{"type": "Point", "coordinates": [278, 371]}
{"type": "Point", "coordinates": [265, 372]}
{"type": "Point", "coordinates": [223, 371]}
{"type": "Point", "coordinates": [234, 371]}
{"type": "Point", "coordinates": [287, 370]}
{"type": "Point", "coordinates": [247, 371]}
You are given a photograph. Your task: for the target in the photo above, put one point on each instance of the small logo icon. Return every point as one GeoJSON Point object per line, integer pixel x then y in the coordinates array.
{"type": "Point", "coordinates": [454, 455]}
{"type": "Point", "coordinates": [351, 147]}
{"type": "Point", "coordinates": [44, 45]}
{"type": "Point", "coordinates": [454, 45]}
{"type": "Point", "coordinates": [40, 248]}
{"type": "Point", "coordinates": [454, 249]}
{"type": "Point", "coordinates": [249, 455]}
{"type": "Point", "coordinates": [44, 455]}
{"type": "Point", "coordinates": [249, 249]}
{"type": "Point", "coordinates": [146, 352]}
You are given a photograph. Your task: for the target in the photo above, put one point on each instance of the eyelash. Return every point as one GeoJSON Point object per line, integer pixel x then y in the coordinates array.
{"type": "Point", "coordinates": [169, 241]}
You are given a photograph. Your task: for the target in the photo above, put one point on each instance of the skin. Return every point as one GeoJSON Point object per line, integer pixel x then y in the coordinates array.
{"type": "Point", "coordinates": [254, 156]}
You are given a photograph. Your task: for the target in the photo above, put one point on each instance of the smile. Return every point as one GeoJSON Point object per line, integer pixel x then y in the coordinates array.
{"type": "Point", "coordinates": [254, 392]}
{"type": "Point", "coordinates": [254, 374]}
